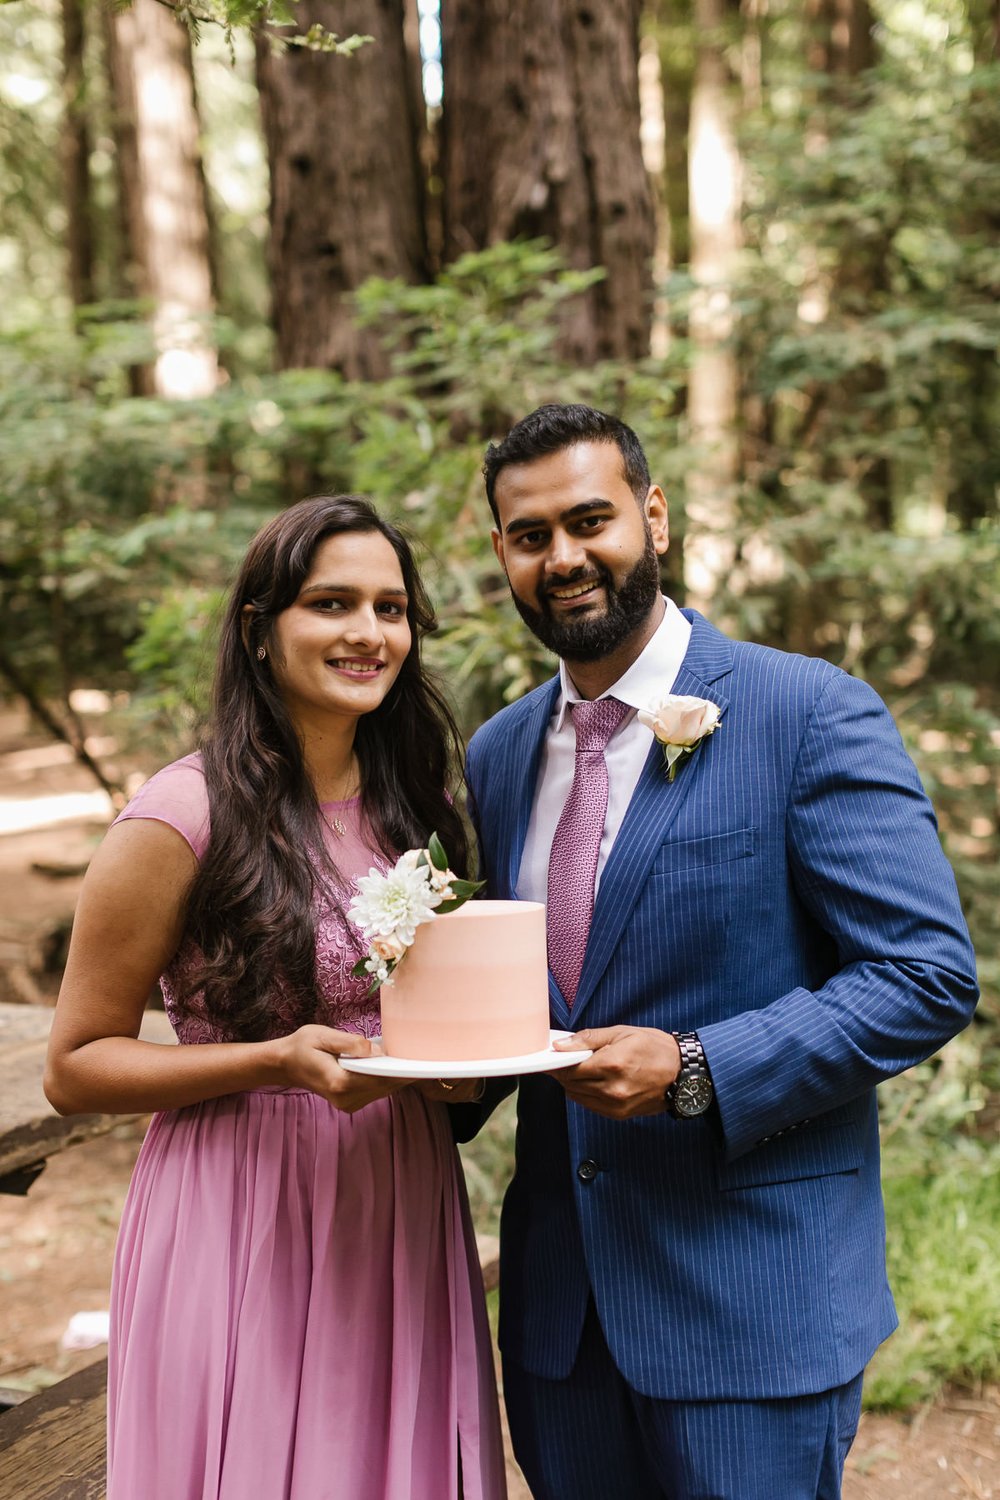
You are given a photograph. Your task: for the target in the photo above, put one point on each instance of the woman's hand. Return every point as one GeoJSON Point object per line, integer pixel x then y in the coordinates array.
{"type": "Point", "coordinates": [309, 1059]}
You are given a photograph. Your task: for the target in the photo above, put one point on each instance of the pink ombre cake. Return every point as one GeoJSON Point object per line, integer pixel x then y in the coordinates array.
{"type": "Point", "coordinates": [473, 985]}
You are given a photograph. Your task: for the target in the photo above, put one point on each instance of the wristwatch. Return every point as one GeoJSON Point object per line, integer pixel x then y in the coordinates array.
{"type": "Point", "coordinates": [691, 1092]}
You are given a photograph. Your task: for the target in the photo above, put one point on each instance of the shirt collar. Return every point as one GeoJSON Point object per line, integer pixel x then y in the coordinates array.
{"type": "Point", "coordinates": [650, 677]}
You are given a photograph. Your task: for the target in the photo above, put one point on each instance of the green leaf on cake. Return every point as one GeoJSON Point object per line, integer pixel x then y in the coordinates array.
{"type": "Point", "coordinates": [461, 891]}
{"type": "Point", "coordinates": [435, 849]}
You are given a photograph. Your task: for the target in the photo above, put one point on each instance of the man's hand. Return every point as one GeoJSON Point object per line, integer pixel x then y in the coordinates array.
{"type": "Point", "coordinates": [630, 1070]}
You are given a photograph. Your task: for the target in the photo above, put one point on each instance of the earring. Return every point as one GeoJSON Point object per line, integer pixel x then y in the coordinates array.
{"type": "Point", "coordinates": [261, 653]}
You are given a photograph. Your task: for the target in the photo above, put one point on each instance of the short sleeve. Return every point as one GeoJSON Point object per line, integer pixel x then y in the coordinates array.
{"type": "Point", "coordinates": [178, 796]}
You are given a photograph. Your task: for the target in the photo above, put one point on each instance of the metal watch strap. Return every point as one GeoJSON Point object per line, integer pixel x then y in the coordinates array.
{"type": "Point", "coordinates": [693, 1069]}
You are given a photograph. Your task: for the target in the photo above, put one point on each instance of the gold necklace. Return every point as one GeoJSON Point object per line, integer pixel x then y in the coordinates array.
{"type": "Point", "coordinates": [346, 794]}
{"type": "Point", "coordinates": [354, 786]}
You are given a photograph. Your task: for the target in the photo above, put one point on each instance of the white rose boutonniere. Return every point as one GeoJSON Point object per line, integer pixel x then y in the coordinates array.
{"type": "Point", "coordinates": [680, 724]}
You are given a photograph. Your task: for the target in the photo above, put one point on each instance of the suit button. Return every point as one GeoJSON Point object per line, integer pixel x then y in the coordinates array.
{"type": "Point", "coordinates": [587, 1170]}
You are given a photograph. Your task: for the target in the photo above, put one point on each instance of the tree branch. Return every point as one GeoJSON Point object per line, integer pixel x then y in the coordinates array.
{"type": "Point", "coordinates": [66, 735]}
{"type": "Point", "coordinates": [316, 39]}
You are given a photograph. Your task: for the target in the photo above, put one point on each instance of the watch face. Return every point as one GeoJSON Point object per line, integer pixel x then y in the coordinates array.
{"type": "Point", "coordinates": [693, 1096]}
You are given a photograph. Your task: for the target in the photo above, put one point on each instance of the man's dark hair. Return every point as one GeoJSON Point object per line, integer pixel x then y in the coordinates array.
{"type": "Point", "coordinates": [548, 429]}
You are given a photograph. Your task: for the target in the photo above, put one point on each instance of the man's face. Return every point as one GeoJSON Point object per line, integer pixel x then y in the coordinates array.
{"type": "Point", "coordinates": [580, 554]}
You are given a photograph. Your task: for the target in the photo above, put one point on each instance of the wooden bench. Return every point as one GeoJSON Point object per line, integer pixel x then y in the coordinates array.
{"type": "Point", "coordinates": [30, 1129]}
{"type": "Point", "coordinates": [52, 1446]}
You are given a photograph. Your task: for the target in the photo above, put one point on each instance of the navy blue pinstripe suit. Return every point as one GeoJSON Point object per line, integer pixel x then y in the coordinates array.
{"type": "Point", "coordinates": [787, 897]}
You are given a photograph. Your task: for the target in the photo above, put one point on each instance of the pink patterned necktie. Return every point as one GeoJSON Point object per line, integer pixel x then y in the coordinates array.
{"type": "Point", "coordinates": [577, 843]}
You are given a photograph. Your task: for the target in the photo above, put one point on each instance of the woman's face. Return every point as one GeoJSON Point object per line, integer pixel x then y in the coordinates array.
{"type": "Point", "coordinates": [339, 647]}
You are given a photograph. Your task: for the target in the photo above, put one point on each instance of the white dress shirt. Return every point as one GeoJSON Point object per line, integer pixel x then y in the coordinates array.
{"type": "Point", "coordinates": [650, 677]}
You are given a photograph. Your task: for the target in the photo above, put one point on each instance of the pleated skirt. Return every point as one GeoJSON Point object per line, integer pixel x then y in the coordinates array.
{"type": "Point", "coordinates": [297, 1309]}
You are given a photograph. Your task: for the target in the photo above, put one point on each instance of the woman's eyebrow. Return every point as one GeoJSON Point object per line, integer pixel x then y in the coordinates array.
{"type": "Point", "coordinates": [349, 588]}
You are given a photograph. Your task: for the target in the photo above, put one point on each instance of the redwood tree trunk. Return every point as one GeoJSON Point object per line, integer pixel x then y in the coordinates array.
{"type": "Point", "coordinates": [163, 186]}
{"type": "Point", "coordinates": [669, 25]}
{"type": "Point", "coordinates": [76, 157]}
{"type": "Point", "coordinates": [346, 184]}
{"type": "Point", "coordinates": [540, 136]}
{"type": "Point", "coordinates": [715, 198]}
{"type": "Point", "coordinates": [842, 43]}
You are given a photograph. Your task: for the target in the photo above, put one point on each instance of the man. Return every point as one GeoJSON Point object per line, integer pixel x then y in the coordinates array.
{"type": "Point", "coordinates": [692, 1257]}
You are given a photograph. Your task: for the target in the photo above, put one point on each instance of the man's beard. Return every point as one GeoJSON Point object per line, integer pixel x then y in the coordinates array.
{"type": "Point", "coordinates": [595, 636]}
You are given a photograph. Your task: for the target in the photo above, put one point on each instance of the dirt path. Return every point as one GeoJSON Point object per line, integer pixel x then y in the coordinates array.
{"type": "Point", "coordinates": [56, 1245]}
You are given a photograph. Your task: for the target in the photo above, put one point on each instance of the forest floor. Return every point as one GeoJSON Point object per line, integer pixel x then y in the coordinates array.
{"type": "Point", "coordinates": [56, 1244]}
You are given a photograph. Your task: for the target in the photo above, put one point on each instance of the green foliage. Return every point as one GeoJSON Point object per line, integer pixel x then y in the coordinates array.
{"type": "Point", "coordinates": [866, 522]}
{"type": "Point", "coordinates": [487, 1163]}
{"type": "Point", "coordinates": [943, 1226]}
{"type": "Point", "coordinates": [30, 209]}
{"type": "Point", "coordinates": [266, 17]}
{"type": "Point", "coordinates": [127, 515]}
{"type": "Point", "coordinates": [175, 651]}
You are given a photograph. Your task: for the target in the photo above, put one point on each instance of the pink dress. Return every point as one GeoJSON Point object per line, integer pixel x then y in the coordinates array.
{"type": "Point", "coordinates": [297, 1309]}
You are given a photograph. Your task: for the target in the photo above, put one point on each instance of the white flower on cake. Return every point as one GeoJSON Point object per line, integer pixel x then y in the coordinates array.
{"type": "Point", "coordinates": [679, 724]}
{"type": "Point", "coordinates": [394, 904]}
{"type": "Point", "coordinates": [391, 905]}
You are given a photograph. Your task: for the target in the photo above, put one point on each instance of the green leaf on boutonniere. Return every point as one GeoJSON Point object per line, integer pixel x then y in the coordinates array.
{"type": "Point", "coordinates": [360, 969]}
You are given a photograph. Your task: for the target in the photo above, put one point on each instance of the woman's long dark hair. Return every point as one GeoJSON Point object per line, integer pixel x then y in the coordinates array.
{"type": "Point", "coordinates": [252, 906]}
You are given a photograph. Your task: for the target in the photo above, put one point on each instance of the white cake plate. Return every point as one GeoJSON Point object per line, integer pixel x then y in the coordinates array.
{"type": "Point", "coordinates": [544, 1061]}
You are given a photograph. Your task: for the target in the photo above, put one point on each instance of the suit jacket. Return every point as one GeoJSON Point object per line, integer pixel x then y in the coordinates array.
{"type": "Point", "coordinates": [787, 897]}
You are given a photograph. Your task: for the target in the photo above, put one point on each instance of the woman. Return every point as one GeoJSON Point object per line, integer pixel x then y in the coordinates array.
{"type": "Point", "coordinates": [296, 1304]}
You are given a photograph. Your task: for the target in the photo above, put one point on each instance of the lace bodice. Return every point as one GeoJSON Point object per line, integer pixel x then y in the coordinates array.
{"type": "Point", "coordinates": [177, 795]}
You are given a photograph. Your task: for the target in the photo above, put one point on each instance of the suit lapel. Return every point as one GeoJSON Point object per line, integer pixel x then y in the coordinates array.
{"type": "Point", "coordinates": [522, 753]}
{"type": "Point", "coordinates": [559, 1011]}
{"type": "Point", "coordinates": [654, 807]}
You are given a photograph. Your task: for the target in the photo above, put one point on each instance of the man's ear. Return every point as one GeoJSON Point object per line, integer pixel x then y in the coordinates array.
{"type": "Point", "coordinates": [497, 541]}
{"type": "Point", "coordinates": [656, 513]}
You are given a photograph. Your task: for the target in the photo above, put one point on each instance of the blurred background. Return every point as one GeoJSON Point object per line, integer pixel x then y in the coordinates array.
{"type": "Point", "coordinates": [245, 262]}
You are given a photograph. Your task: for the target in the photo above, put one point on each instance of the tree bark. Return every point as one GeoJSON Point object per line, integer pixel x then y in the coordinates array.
{"type": "Point", "coordinates": [346, 183]}
{"type": "Point", "coordinates": [670, 26]}
{"type": "Point", "coordinates": [427, 135]}
{"type": "Point", "coordinates": [67, 730]}
{"type": "Point", "coordinates": [540, 137]}
{"type": "Point", "coordinates": [842, 44]}
{"type": "Point", "coordinates": [76, 157]}
{"type": "Point", "coordinates": [714, 195]}
{"type": "Point", "coordinates": [163, 187]}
